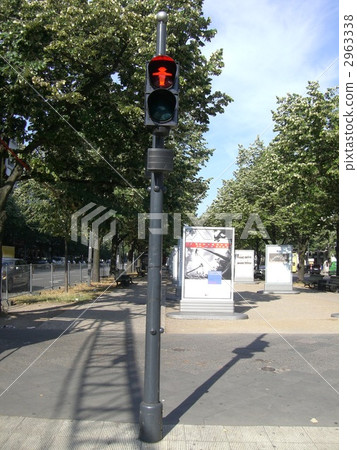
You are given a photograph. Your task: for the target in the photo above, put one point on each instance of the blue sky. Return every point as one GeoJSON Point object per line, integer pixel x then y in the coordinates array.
{"type": "Point", "coordinates": [270, 48]}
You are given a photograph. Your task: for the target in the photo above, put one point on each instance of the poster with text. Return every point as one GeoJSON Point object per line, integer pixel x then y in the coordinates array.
{"type": "Point", "coordinates": [278, 260]}
{"type": "Point", "coordinates": [244, 265]}
{"type": "Point", "coordinates": [208, 262]}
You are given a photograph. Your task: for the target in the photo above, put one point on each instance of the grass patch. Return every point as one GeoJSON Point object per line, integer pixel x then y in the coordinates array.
{"type": "Point", "coordinates": [76, 294]}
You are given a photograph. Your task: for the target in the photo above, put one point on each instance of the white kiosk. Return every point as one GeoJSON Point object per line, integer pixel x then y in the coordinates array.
{"type": "Point", "coordinates": [207, 275]}
{"type": "Point", "coordinates": [244, 266]}
{"type": "Point", "coordinates": [207, 268]}
{"type": "Point", "coordinates": [278, 275]}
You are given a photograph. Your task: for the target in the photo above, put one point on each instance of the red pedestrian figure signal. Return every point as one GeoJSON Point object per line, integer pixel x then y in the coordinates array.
{"type": "Point", "coordinates": [162, 72]}
{"type": "Point", "coordinates": [161, 95]}
{"type": "Point", "coordinates": [165, 78]}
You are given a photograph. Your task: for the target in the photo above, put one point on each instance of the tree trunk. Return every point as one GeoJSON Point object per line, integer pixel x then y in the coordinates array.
{"type": "Point", "coordinates": [258, 253]}
{"type": "Point", "coordinates": [65, 265]}
{"type": "Point", "coordinates": [6, 186]}
{"type": "Point", "coordinates": [114, 252]}
{"type": "Point", "coordinates": [131, 266]}
{"type": "Point", "coordinates": [302, 247]}
{"type": "Point", "coordinates": [95, 266]}
{"type": "Point", "coordinates": [2, 222]}
{"type": "Point", "coordinates": [338, 251]}
{"type": "Point", "coordinates": [116, 241]}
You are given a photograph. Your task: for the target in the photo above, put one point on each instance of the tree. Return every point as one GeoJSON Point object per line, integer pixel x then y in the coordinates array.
{"type": "Point", "coordinates": [48, 209]}
{"type": "Point", "coordinates": [72, 91]}
{"type": "Point", "coordinates": [293, 183]}
{"type": "Point", "coordinates": [306, 152]}
{"type": "Point", "coordinates": [239, 195]}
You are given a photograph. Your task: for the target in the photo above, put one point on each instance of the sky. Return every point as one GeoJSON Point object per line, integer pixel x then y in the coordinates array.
{"type": "Point", "coordinates": [270, 48]}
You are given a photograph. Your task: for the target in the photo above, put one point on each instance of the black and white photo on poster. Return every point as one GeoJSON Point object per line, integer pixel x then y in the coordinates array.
{"type": "Point", "coordinates": [208, 254]}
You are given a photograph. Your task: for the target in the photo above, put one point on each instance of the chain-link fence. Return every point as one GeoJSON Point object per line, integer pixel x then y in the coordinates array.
{"type": "Point", "coordinates": [19, 278]}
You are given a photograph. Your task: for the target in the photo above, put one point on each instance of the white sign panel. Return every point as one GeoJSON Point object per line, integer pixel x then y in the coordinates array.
{"type": "Point", "coordinates": [174, 263]}
{"type": "Point", "coordinates": [244, 266]}
{"type": "Point", "coordinates": [278, 276]}
{"type": "Point", "coordinates": [207, 269]}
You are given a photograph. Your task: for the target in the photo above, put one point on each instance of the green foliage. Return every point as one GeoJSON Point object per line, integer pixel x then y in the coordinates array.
{"type": "Point", "coordinates": [306, 151]}
{"type": "Point", "coordinates": [293, 183]}
{"type": "Point", "coordinates": [72, 78]}
{"type": "Point", "coordinates": [45, 208]}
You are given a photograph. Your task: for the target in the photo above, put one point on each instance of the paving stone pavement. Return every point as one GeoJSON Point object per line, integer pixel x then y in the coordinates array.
{"type": "Point", "coordinates": [308, 312]}
{"type": "Point", "coordinates": [40, 434]}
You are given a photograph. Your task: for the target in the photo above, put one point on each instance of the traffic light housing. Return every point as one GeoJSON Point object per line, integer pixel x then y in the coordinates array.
{"type": "Point", "coordinates": [161, 94]}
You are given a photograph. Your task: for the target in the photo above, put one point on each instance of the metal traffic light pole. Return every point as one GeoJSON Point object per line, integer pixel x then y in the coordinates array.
{"type": "Point", "coordinates": [150, 420]}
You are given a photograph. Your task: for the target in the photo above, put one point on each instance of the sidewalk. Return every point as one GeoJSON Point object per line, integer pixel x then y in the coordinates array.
{"type": "Point", "coordinates": [31, 434]}
{"type": "Point", "coordinates": [306, 313]}
{"type": "Point", "coordinates": [309, 312]}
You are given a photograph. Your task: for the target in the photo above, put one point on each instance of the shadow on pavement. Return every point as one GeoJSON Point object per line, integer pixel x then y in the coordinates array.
{"type": "Point", "coordinates": [89, 371]}
{"type": "Point", "coordinates": [105, 382]}
{"type": "Point", "coordinates": [257, 346]}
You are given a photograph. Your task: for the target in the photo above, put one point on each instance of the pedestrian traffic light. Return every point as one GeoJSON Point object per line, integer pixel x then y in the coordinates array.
{"type": "Point", "coordinates": [161, 95]}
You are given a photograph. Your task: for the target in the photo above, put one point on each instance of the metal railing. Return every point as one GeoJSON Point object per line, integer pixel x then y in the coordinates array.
{"type": "Point", "coordinates": [29, 278]}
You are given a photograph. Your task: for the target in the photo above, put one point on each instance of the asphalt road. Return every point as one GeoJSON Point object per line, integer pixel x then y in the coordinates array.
{"type": "Point", "coordinates": [92, 369]}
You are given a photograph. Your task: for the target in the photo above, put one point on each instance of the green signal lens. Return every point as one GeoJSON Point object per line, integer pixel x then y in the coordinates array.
{"type": "Point", "coordinates": [161, 104]}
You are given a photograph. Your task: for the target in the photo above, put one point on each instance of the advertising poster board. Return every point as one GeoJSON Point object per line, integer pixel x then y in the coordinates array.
{"type": "Point", "coordinates": [244, 266]}
{"type": "Point", "coordinates": [174, 264]}
{"type": "Point", "coordinates": [278, 275]}
{"type": "Point", "coordinates": [207, 269]}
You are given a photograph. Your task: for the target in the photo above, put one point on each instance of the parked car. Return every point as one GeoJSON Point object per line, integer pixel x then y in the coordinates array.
{"type": "Point", "coordinates": [40, 264]}
{"type": "Point", "coordinates": [259, 273]}
{"type": "Point", "coordinates": [58, 260]}
{"type": "Point", "coordinates": [41, 261]}
{"type": "Point", "coordinates": [314, 268]}
{"type": "Point", "coordinates": [15, 274]}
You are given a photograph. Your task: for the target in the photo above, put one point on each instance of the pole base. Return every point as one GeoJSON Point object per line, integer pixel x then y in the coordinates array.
{"type": "Point", "coordinates": [150, 422]}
